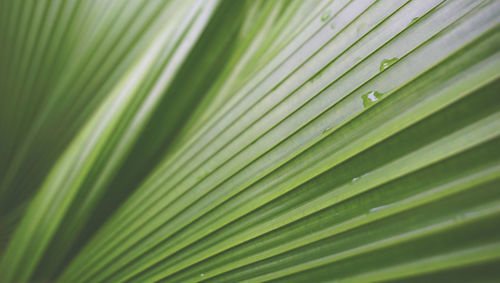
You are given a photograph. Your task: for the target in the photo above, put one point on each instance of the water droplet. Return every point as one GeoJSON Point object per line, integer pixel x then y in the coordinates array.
{"type": "Point", "coordinates": [371, 97]}
{"type": "Point", "coordinates": [325, 131]}
{"type": "Point", "coordinates": [203, 274]}
{"type": "Point", "coordinates": [386, 63]}
{"type": "Point", "coordinates": [326, 15]}
{"type": "Point", "coordinates": [414, 20]}
{"type": "Point", "coordinates": [355, 179]}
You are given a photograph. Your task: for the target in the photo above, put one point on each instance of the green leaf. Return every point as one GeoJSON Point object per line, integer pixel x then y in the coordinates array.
{"type": "Point", "coordinates": [231, 141]}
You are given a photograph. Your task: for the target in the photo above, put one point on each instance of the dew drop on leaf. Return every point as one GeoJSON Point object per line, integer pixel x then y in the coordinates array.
{"type": "Point", "coordinates": [325, 131]}
{"type": "Point", "coordinates": [326, 15]}
{"type": "Point", "coordinates": [371, 97]}
{"type": "Point", "coordinates": [386, 63]}
{"type": "Point", "coordinates": [414, 20]}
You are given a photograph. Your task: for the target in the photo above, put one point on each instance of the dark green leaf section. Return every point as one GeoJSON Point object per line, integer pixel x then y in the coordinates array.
{"type": "Point", "coordinates": [228, 141]}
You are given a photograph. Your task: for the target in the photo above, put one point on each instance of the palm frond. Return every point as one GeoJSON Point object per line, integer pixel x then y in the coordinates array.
{"type": "Point", "coordinates": [232, 141]}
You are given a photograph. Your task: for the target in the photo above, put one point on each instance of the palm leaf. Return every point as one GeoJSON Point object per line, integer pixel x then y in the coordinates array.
{"type": "Point", "coordinates": [249, 140]}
